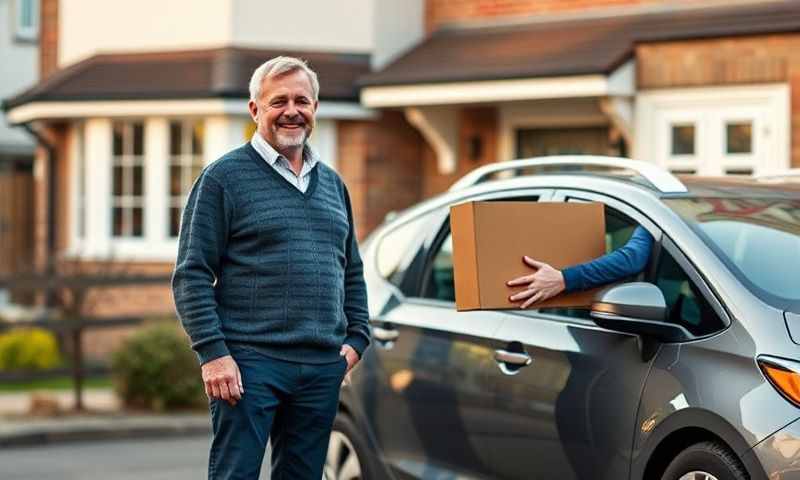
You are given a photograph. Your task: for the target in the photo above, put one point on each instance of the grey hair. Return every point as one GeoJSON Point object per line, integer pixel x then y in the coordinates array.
{"type": "Point", "coordinates": [279, 66]}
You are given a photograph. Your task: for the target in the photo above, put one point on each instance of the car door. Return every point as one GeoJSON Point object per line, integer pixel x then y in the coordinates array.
{"type": "Point", "coordinates": [570, 413]}
{"type": "Point", "coordinates": [433, 399]}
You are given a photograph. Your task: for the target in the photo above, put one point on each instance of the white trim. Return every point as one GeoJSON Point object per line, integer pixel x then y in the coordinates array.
{"type": "Point", "coordinates": [621, 82]}
{"type": "Point", "coordinates": [439, 126]}
{"type": "Point", "coordinates": [75, 138]}
{"type": "Point", "coordinates": [156, 181]}
{"type": "Point", "coordinates": [168, 108]}
{"type": "Point", "coordinates": [485, 91]}
{"type": "Point", "coordinates": [324, 141]}
{"type": "Point", "coordinates": [767, 106]}
{"type": "Point", "coordinates": [344, 111]}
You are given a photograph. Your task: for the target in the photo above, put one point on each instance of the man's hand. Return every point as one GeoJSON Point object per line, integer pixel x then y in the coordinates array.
{"type": "Point", "coordinates": [350, 354]}
{"type": "Point", "coordinates": [223, 379]}
{"type": "Point", "coordinates": [546, 283]}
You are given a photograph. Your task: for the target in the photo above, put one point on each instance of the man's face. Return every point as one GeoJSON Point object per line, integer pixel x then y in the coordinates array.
{"type": "Point", "coordinates": [284, 113]}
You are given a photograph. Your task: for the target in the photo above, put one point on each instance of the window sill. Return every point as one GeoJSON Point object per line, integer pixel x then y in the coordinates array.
{"type": "Point", "coordinates": [125, 250]}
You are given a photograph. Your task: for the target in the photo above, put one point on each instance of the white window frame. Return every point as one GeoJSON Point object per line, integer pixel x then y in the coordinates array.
{"type": "Point", "coordinates": [710, 108]}
{"type": "Point", "coordinates": [187, 159]}
{"type": "Point", "coordinates": [26, 32]}
{"type": "Point", "coordinates": [128, 160]}
{"type": "Point", "coordinates": [221, 133]}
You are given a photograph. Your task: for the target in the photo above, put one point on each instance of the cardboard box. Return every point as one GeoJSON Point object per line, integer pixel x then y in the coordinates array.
{"type": "Point", "coordinates": [490, 239]}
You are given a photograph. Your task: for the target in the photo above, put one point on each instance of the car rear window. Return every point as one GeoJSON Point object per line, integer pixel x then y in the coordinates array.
{"type": "Point", "coordinates": [757, 238]}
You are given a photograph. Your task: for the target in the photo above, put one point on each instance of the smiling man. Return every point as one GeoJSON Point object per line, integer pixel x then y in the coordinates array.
{"type": "Point", "coordinates": [269, 286]}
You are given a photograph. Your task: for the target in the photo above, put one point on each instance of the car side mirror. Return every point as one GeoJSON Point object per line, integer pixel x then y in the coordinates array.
{"type": "Point", "coordinates": [638, 308]}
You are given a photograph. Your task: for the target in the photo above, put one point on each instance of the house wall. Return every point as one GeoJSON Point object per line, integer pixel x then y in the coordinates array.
{"type": "Point", "coordinates": [20, 64]}
{"type": "Point", "coordinates": [766, 59]}
{"type": "Point", "coordinates": [90, 26]}
{"type": "Point", "coordinates": [442, 12]}
{"type": "Point", "coordinates": [398, 25]}
{"type": "Point", "coordinates": [381, 163]}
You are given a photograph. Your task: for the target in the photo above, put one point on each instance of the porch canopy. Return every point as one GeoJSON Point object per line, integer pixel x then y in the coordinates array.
{"type": "Point", "coordinates": [177, 82]}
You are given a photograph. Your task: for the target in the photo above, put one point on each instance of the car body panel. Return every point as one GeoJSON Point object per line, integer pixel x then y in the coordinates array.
{"type": "Point", "coordinates": [500, 423]}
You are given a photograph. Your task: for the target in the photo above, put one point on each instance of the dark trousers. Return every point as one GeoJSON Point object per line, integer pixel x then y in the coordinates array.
{"type": "Point", "coordinates": [293, 404]}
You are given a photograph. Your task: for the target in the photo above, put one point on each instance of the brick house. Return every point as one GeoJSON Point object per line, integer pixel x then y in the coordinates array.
{"type": "Point", "coordinates": [695, 86]}
{"type": "Point", "coordinates": [414, 94]}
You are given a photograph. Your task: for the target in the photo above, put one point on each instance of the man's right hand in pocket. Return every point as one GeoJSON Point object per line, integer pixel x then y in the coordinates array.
{"type": "Point", "coordinates": [223, 380]}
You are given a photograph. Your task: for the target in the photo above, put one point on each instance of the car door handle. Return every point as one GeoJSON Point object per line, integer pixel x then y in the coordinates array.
{"type": "Point", "coordinates": [385, 335]}
{"type": "Point", "coordinates": [513, 358]}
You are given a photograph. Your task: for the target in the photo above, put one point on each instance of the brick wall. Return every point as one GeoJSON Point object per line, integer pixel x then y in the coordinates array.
{"type": "Point", "coordinates": [441, 12]}
{"type": "Point", "coordinates": [48, 38]}
{"type": "Point", "coordinates": [56, 135]}
{"type": "Point", "coordinates": [381, 163]}
{"type": "Point", "coordinates": [727, 61]}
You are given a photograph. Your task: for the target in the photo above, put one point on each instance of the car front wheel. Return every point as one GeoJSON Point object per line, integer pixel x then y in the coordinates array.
{"type": "Point", "coordinates": [347, 458]}
{"type": "Point", "coordinates": [705, 461]}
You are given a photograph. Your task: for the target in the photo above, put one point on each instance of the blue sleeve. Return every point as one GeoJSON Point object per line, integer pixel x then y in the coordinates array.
{"type": "Point", "coordinates": [623, 262]}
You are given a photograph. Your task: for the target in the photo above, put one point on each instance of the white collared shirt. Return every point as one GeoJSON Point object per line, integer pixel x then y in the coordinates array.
{"type": "Point", "coordinates": [281, 164]}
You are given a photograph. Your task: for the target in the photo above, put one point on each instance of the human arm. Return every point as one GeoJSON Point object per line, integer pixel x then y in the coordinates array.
{"type": "Point", "coordinates": [355, 297]}
{"type": "Point", "coordinates": [202, 241]}
{"type": "Point", "coordinates": [548, 282]}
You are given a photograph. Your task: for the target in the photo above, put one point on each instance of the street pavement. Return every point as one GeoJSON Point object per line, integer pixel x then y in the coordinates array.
{"type": "Point", "coordinates": [95, 399]}
{"type": "Point", "coordinates": [182, 458]}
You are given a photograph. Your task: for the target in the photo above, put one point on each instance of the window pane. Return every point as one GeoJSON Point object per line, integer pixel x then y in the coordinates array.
{"type": "Point", "coordinates": [118, 129]}
{"type": "Point", "coordinates": [26, 13]}
{"type": "Point", "coordinates": [396, 250]}
{"type": "Point", "coordinates": [174, 138]}
{"type": "Point", "coordinates": [739, 171]}
{"type": "Point", "coordinates": [197, 138]}
{"type": "Point", "coordinates": [137, 221]}
{"type": "Point", "coordinates": [175, 180]}
{"type": "Point", "coordinates": [740, 137]}
{"type": "Point", "coordinates": [440, 285]}
{"type": "Point", "coordinates": [117, 222]}
{"type": "Point", "coordinates": [195, 173]}
{"type": "Point", "coordinates": [138, 180]}
{"type": "Point", "coordinates": [683, 139]}
{"type": "Point", "coordinates": [174, 221]}
{"type": "Point", "coordinates": [117, 182]}
{"type": "Point", "coordinates": [138, 139]}
{"type": "Point", "coordinates": [686, 306]}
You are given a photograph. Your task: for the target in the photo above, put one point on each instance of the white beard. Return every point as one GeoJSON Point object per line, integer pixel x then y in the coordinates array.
{"type": "Point", "coordinates": [290, 141]}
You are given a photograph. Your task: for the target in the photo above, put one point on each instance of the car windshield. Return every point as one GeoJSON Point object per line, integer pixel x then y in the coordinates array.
{"type": "Point", "coordinates": [758, 239]}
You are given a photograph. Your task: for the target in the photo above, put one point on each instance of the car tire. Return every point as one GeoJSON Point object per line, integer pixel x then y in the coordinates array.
{"type": "Point", "coordinates": [348, 457]}
{"type": "Point", "coordinates": [705, 461]}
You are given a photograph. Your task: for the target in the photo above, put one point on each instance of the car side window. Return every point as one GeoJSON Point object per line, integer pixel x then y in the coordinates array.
{"type": "Point", "coordinates": [440, 284]}
{"type": "Point", "coordinates": [399, 249]}
{"type": "Point", "coordinates": [686, 305]}
{"type": "Point", "coordinates": [619, 229]}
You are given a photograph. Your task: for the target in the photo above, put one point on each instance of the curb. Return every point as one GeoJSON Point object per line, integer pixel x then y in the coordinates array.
{"type": "Point", "coordinates": [33, 433]}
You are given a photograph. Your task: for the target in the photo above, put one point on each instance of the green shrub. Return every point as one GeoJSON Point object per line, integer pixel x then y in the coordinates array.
{"type": "Point", "coordinates": [155, 369]}
{"type": "Point", "coordinates": [29, 349]}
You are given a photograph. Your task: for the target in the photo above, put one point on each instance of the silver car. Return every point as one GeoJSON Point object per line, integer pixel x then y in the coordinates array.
{"type": "Point", "coordinates": [688, 371]}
